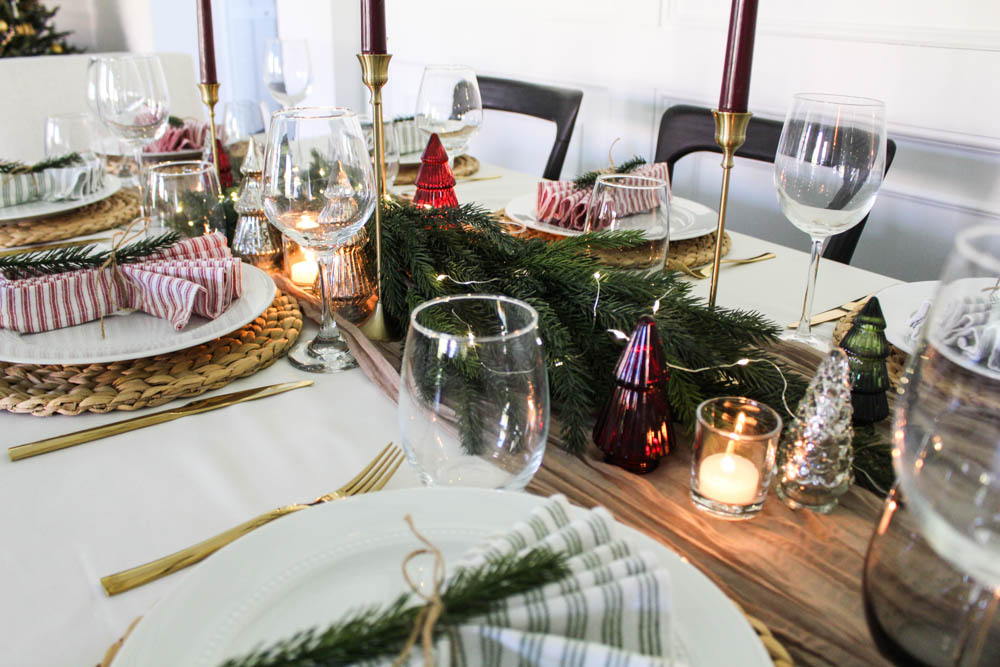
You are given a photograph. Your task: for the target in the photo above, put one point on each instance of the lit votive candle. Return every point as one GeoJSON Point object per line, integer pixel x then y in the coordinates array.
{"type": "Point", "coordinates": [736, 440]}
{"type": "Point", "coordinates": [305, 272]}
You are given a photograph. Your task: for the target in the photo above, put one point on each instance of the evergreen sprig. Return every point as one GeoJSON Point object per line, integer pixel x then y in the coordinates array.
{"type": "Point", "coordinates": [872, 461]}
{"type": "Point", "coordinates": [557, 279]}
{"type": "Point", "coordinates": [59, 260]}
{"type": "Point", "coordinates": [588, 179]}
{"type": "Point", "coordinates": [15, 167]}
{"type": "Point", "coordinates": [377, 631]}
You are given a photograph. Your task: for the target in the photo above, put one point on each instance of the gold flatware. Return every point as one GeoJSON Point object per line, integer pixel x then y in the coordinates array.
{"type": "Point", "coordinates": [194, 407]}
{"type": "Point", "coordinates": [372, 478]}
{"type": "Point", "coordinates": [833, 314]}
{"type": "Point", "coordinates": [479, 178]}
{"type": "Point", "coordinates": [698, 273]}
{"type": "Point", "coordinates": [53, 246]}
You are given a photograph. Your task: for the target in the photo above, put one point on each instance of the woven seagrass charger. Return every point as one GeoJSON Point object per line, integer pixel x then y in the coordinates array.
{"type": "Point", "coordinates": [44, 390]}
{"type": "Point", "coordinates": [465, 165]}
{"type": "Point", "coordinates": [113, 211]}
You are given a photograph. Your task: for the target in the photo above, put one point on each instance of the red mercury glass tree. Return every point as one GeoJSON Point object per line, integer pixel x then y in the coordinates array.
{"type": "Point", "coordinates": [635, 427]}
{"type": "Point", "coordinates": [435, 181]}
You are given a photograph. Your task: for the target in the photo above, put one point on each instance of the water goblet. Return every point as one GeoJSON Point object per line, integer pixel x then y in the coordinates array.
{"type": "Point", "coordinates": [473, 392]}
{"type": "Point", "coordinates": [319, 190]}
{"type": "Point", "coordinates": [71, 133]}
{"type": "Point", "coordinates": [184, 197]}
{"type": "Point", "coordinates": [287, 71]}
{"type": "Point", "coordinates": [391, 144]}
{"type": "Point", "coordinates": [625, 202]}
{"type": "Point", "coordinates": [827, 172]}
{"type": "Point", "coordinates": [449, 105]}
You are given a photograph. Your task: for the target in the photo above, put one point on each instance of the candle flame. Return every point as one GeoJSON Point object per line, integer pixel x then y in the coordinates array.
{"type": "Point", "coordinates": [741, 420]}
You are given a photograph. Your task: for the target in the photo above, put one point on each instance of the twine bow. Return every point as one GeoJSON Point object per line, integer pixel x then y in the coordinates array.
{"type": "Point", "coordinates": [117, 277]}
{"type": "Point", "coordinates": [427, 618]}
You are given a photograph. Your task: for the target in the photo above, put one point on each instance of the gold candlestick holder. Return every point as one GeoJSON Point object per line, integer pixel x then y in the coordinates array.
{"type": "Point", "coordinates": [730, 133]}
{"type": "Point", "coordinates": [210, 96]}
{"type": "Point", "coordinates": [375, 73]}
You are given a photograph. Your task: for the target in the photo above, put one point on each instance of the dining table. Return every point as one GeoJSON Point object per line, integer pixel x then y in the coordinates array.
{"type": "Point", "coordinates": [72, 516]}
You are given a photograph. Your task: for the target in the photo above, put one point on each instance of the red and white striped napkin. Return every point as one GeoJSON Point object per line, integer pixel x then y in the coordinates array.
{"type": "Point", "coordinates": [560, 202]}
{"type": "Point", "coordinates": [194, 276]}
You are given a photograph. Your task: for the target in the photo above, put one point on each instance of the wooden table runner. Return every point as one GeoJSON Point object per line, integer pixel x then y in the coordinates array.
{"type": "Point", "coordinates": [799, 572]}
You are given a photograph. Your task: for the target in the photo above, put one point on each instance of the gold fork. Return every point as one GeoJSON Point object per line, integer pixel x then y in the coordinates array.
{"type": "Point", "coordinates": [699, 274]}
{"type": "Point", "coordinates": [372, 478]}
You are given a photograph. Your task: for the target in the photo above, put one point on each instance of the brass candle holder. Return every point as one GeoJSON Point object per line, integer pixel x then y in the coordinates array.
{"type": "Point", "coordinates": [210, 97]}
{"type": "Point", "coordinates": [730, 133]}
{"type": "Point", "coordinates": [375, 73]}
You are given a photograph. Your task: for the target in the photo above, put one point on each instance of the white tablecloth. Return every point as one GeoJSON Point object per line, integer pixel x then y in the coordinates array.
{"type": "Point", "coordinates": [71, 517]}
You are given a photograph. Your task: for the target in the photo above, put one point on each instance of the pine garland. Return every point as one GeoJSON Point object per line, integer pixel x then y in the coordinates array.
{"type": "Point", "coordinates": [378, 631]}
{"type": "Point", "coordinates": [558, 280]}
{"type": "Point", "coordinates": [15, 167]}
{"type": "Point", "coordinates": [588, 179]}
{"type": "Point", "coordinates": [59, 260]}
{"type": "Point", "coordinates": [872, 461]}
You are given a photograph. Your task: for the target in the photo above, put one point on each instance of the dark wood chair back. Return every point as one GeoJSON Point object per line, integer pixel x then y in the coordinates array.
{"type": "Point", "coordinates": [686, 129]}
{"type": "Point", "coordinates": [558, 105]}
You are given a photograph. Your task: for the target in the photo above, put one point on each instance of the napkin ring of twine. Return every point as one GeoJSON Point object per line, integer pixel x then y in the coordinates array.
{"type": "Point", "coordinates": [117, 277]}
{"type": "Point", "coordinates": [427, 618]}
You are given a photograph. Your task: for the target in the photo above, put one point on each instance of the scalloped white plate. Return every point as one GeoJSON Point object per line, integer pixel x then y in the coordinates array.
{"type": "Point", "coordinates": [688, 219]}
{"type": "Point", "coordinates": [312, 567]}
{"type": "Point", "coordinates": [34, 209]}
{"type": "Point", "coordinates": [136, 335]}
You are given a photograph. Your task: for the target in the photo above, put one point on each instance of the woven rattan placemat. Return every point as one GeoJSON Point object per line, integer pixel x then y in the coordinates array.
{"type": "Point", "coordinates": [116, 210]}
{"type": "Point", "coordinates": [141, 383]}
{"type": "Point", "coordinates": [465, 165]}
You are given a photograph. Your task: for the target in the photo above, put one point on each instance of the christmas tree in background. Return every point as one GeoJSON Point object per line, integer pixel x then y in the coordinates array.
{"type": "Point", "coordinates": [26, 29]}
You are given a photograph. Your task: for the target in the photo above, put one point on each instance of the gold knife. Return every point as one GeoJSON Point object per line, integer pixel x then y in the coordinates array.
{"type": "Point", "coordinates": [833, 314]}
{"type": "Point", "coordinates": [194, 407]}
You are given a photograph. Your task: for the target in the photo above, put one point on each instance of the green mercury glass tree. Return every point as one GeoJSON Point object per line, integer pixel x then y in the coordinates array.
{"type": "Point", "coordinates": [867, 349]}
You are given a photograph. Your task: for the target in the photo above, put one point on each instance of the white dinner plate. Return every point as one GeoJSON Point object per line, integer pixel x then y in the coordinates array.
{"type": "Point", "coordinates": [688, 219]}
{"type": "Point", "coordinates": [34, 209]}
{"type": "Point", "coordinates": [898, 303]}
{"type": "Point", "coordinates": [311, 568]}
{"type": "Point", "coordinates": [136, 334]}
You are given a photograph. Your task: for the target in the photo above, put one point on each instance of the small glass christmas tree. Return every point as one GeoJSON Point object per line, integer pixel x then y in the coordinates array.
{"type": "Point", "coordinates": [435, 181]}
{"type": "Point", "coordinates": [867, 349]}
{"type": "Point", "coordinates": [635, 428]}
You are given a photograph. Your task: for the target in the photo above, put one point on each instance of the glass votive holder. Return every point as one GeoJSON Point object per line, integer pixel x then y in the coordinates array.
{"type": "Point", "coordinates": [301, 264]}
{"type": "Point", "coordinates": [735, 443]}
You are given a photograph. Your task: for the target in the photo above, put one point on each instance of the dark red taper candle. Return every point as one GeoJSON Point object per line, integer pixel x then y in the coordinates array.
{"type": "Point", "coordinates": [373, 26]}
{"type": "Point", "coordinates": [739, 56]}
{"type": "Point", "coordinates": [206, 42]}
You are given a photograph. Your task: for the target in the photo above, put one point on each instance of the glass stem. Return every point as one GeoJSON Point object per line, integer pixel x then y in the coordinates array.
{"type": "Point", "coordinates": [805, 328]}
{"type": "Point", "coordinates": [140, 183]}
{"type": "Point", "coordinates": [328, 326]}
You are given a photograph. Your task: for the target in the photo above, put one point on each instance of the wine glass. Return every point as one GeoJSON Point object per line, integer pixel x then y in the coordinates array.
{"type": "Point", "coordinates": [287, 71]}
{"type": "Point", "coordinates": [827, 172]}
{"type": "Point", "coordinates": [184, 197]}
{"type": "Point", "coordinates": [391, 144]}
{"type": "Point", "coordinates": [319, 190]}
{"type": "Point", "coordinates": [133, 103]}
{"type": "Point", "coordinates": [449, 105]}
{"type": "Point", "coordinates": [932, 572]}
{"type": "Point", "coordinates": [625, 202]}
{"type": "Point", "coordinates": [473, 392]}
{"type": "Point", "coordinates": [71, 133]}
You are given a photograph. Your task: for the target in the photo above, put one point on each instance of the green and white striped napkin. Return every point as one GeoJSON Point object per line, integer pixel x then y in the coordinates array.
{"type": "Point", "coordinates": [72, 182]}
{"type": "Point", "coordinates": [613, 610]}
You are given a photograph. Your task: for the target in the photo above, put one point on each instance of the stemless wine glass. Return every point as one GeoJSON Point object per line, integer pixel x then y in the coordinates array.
{"type": "Point", "coordinates": [71, 133]}
{"type": "Point", "coordinates": [624, 202]}
{"type": "Point", "coordinates": [133, 103]}
{"type": "Point", "coordinates": [391, 145]}
{"type": "Point", "coordinates": [449, 104]}
{"type": "Point", "coordinates": [287, 71]}
{"type": "Point", "coordinates": [932, 573]}
{"type": "Point", "coordinates": [184, 197]}
{"type": "Point", "coordinates": [319, 190]}
{"type": "Point", "coordinates": [474, 392]}
{"type": "Point", "coordinates": [827, 172]}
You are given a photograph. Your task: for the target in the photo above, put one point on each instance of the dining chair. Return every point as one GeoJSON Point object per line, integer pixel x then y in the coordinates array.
{"type": "Point", "coordinates": [557, 105]}
{"type": "Point", "coordinates": [686, 129]}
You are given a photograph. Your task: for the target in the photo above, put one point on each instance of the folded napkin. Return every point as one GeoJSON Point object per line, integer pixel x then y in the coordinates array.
{"type": "Point", "coordinates": [970, 325]}
{"type": "Point", "coordinates": [561, 203]}
{"type": "Point", "coordinates": [72, 182]}
{"type": "Point", "coordinates": [195, 276]}
{"type": "Point", "coordinates": [613, 609]}
{"type": "Point", "coordinates": [192, 134]}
